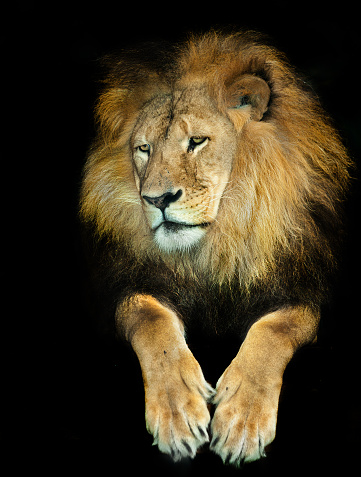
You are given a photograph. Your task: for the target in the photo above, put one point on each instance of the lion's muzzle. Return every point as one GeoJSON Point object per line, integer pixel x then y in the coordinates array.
{"type": "Point", "coordinates": [163, 201]}
{"type": "Point", "coordinates": [172, 230]}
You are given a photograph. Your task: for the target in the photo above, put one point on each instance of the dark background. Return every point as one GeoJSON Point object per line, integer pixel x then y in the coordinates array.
{"type": "Point", "coordinates": [79, 400]}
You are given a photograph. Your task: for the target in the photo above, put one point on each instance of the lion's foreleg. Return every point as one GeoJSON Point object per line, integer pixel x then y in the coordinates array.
{"type": "Point", "coordinates": [247, 393]}
{"type": "Point", "coordinates": [176, 392]}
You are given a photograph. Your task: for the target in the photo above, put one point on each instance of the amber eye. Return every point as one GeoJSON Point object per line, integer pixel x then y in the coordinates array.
{"type": "Point", "coordinates": [144, 148]}
{"type": "Point", "coordinates": [198, 139]}
{"type": "Point", "coordinates": [195, 141]}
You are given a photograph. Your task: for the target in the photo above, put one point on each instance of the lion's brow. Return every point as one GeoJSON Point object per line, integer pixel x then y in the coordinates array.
{"type": "Point", "coordinates": [170, 118]}
{"type": "Point", "coordinates": [172, 106]}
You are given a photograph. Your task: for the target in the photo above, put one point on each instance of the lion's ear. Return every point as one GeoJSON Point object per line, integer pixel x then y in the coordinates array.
{"type": "Point", "coordinates": [249, 90]}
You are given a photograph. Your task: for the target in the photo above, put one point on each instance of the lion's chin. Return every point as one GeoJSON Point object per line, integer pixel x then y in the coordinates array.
{"type": "Point", "coordinates": [170, 236]}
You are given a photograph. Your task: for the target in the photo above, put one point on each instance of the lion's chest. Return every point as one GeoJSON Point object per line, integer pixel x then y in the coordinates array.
{"type": "Point", "coordinates": [204, 306]}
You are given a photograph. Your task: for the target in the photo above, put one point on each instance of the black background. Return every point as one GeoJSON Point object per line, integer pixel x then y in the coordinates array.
{"type": "Point", "coordinates": [78, 403]}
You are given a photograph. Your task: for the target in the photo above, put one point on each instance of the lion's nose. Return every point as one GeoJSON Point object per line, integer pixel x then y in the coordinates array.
{"type": "Point", "coordinates": [163, 201]}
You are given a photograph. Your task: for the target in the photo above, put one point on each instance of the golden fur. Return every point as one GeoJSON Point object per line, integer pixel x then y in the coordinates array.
{"type": "Point", "coordinates": [213, 190]}
{"type": "Point", "coordinates": [285, 164]}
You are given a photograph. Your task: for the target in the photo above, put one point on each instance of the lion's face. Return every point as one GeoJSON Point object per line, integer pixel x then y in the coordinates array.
{"type": "Point", "coordinates": [183, 151]}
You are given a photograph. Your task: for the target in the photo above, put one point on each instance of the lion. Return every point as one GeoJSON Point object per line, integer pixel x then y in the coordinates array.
{"type": "Point", "coordinates": [212, 196]}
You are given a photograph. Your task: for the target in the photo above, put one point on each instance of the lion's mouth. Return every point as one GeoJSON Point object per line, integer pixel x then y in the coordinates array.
{"type": "Point", "coordinates": [175, 227]}
{"type": "Point", "coordinates": [171, 236]}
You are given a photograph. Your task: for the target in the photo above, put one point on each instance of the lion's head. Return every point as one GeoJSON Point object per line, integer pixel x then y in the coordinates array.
{"type": "Point", "coordinates": [214, 153]}
{"type": "Point", "coordinates": [183, 149]}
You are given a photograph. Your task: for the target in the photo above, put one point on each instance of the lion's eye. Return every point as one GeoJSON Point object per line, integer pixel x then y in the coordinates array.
{"type": "Point", "coordinates": [144, 148]}
{"type": "Point", "coordinates": [195, 141]}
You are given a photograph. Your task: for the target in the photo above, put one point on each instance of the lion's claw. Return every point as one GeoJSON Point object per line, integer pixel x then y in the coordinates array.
{"type": "Point", "coordinates": [245, 418]}
{"type": "Point", "coordinates": [176, 410]}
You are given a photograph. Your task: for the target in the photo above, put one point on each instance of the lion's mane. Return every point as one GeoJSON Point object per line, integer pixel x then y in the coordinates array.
{"type": "Point", "coordinates": [279, 215]}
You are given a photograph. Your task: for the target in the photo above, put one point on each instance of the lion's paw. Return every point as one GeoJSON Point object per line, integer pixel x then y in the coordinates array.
{"type": "Point", "coordinates": [244, 422]}
{"type": "Point", "coordinates": [176, 409]}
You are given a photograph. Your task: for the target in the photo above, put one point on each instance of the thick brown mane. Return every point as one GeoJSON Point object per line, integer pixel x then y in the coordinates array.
{"type": "Point", "coordinates": [286, 185]}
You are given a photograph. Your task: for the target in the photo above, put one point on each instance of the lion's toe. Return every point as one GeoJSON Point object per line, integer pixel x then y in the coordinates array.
{"type": "Point", "coordinates": [176, 411]}
{"type": "Point", "coordinates": [179, 428]}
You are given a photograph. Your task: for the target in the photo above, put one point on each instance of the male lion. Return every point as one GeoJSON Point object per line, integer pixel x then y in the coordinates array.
{"type": "Point", "coordinates": [213, 193]}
